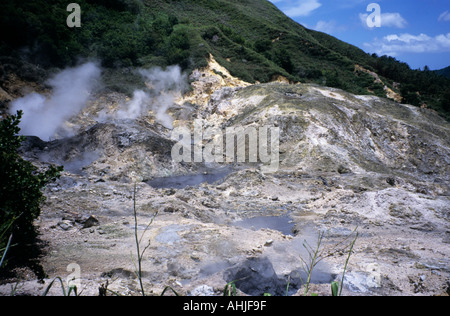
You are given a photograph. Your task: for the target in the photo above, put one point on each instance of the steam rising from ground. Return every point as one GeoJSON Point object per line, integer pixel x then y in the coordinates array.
{"type": "Point", "coordinates": [163, 88]}
{"type": "Point", "coordinates": [44, 116]}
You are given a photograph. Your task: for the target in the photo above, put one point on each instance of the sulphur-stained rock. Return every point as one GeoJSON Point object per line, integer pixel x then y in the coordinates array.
{"type": "Point", "coordinates": [208, 80]}
{"type": "Point", "coordinates": [345, 162]}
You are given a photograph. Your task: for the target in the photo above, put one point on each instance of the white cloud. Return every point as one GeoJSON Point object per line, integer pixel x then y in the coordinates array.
{"type": "Point", "coordinates": [407, 38]}
{"type": "Point", "coordinates": [393, 20]}
{"type": "Point", "coordinates": [329, 27]}
{"type": "Point", "coordinates": [299, 8]}
{"type": "Point", "coordinates": [324, 26]}
{"type": "Point", "coordinates": [407, 43]}
{"type": "Point", "coordinates": [444, 17]}
{"type": "Point", "coordinates": [387, 20]}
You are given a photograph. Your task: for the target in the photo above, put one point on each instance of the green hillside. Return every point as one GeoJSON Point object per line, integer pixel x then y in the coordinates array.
{"type": "Point", "coordinates": [251, 38]}
{"type": "Point", "coordinates": [444, 72]}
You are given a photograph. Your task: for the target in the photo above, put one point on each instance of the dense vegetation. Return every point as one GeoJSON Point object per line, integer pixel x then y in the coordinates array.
{"type": "Point", "coordinates": [444, 72]}
{"type": "Point", "coordinates": [251, 38]}
{"type": "Point", "coordinates": [20, 189]}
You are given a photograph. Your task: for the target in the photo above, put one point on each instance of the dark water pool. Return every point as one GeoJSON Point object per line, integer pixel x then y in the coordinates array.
{"type": "Point", "coordinates": [181, 182]}
{"type": "Point", "coordinates": [256, 276]}
{"type": "Point", "coordinates": [282, 224]}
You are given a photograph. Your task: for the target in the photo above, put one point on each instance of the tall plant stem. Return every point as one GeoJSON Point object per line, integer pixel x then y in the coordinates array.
{"type": "Point", "coordinates": [139, 272]}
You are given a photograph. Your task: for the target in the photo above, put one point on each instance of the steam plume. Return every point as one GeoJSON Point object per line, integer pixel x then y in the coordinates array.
{"type": "Point", "coordinates": [43, 116]}
{"type": "Point", "coordinates": [164, 85]}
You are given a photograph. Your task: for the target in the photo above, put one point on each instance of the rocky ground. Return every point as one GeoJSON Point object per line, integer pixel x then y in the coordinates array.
{"type": "Point", "coordinates": [346, 163]}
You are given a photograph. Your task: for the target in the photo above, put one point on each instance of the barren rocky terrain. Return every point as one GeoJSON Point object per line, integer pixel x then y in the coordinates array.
{"type": "Point", "coordinates": [346, 163]}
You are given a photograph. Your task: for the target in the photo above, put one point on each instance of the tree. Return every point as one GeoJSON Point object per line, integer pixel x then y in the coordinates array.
{"type": "Point", "coordinates": [284, 60]}
{"type": "Point", "coordinates": [445, 103]}
{"type": "Point", "coordinates": [178, 47]}
{"type": "Point", "coordinates": [20, 186]}
{"type": "Point", "coordinates": [263, 45]}
{"type": "Point", "coordinates": [410, 95]}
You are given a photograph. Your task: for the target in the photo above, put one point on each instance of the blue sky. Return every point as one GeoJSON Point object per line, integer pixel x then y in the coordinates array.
{"type": "Point", "coordinates": [414, 31]}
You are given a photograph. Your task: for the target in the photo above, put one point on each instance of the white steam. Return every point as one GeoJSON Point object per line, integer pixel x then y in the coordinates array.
{"type": "Point", "coordinates": [43, 116]}
{"type": "Point", "coordinates": [136, 107]}
{"type": "Point", "coordinates": [163, 88]}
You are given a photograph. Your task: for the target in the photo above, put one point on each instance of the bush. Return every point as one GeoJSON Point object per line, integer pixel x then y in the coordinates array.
{"type": "Point", "coordinates": [263, 45]}
{"type": "Point", "coordinates": [445, 103]}
{"type": "Point", "coordinates": [284, 59]}
{"type": "Point", "coordinates": [20, 186]}
{"type": "Point", "coordinates": [178, 47]}
{"type": "Point", "coordinates": [410, 95]}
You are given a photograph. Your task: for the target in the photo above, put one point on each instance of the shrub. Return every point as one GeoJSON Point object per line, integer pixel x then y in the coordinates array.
{"type": "Point", "coordinates": [263, 45]}
{"type": "Point", "coordinates": [20, 186]}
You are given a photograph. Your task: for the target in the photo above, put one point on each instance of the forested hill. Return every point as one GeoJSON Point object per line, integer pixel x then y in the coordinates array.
{"type": "Point", "coordinates": [444, 72]}
{"type": "Point", "coordinates": [251, 38]}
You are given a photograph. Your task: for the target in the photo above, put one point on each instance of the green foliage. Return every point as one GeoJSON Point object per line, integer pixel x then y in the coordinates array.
{"type": "Point", "coordinates": [70, 289]}
{"type": "Point", "coordinates": [178, 46]}
{"type": "Point", "coordinates": [263, 45]}
{"type": "Point", "coordinates": [335, 289]}
{"type": "Point", "coordinates": [118, 32]}
{"type": "Point", "coordinates": [410, 95]}
{"type": "Point", "coordinates": [251, 38]}
{"type": "Point", "coordinates": [444, 72]}
{"type": "Point", "coordinates": [333, 79]}
{"type": "Point", "coordinates": [169, 288]}
{"type": "Point", "coordinates": [20, 185]}
{"type": "Point", "coordinates": [283, 58]}
{"type": "Point", "coordinates": [416, 87]}
{"type": "Point", "coordinates": [4, 250]}
{"type": "Point", "coordinates": [445, 101]}
{"type": "Point", "coordinates": [230, 289]}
